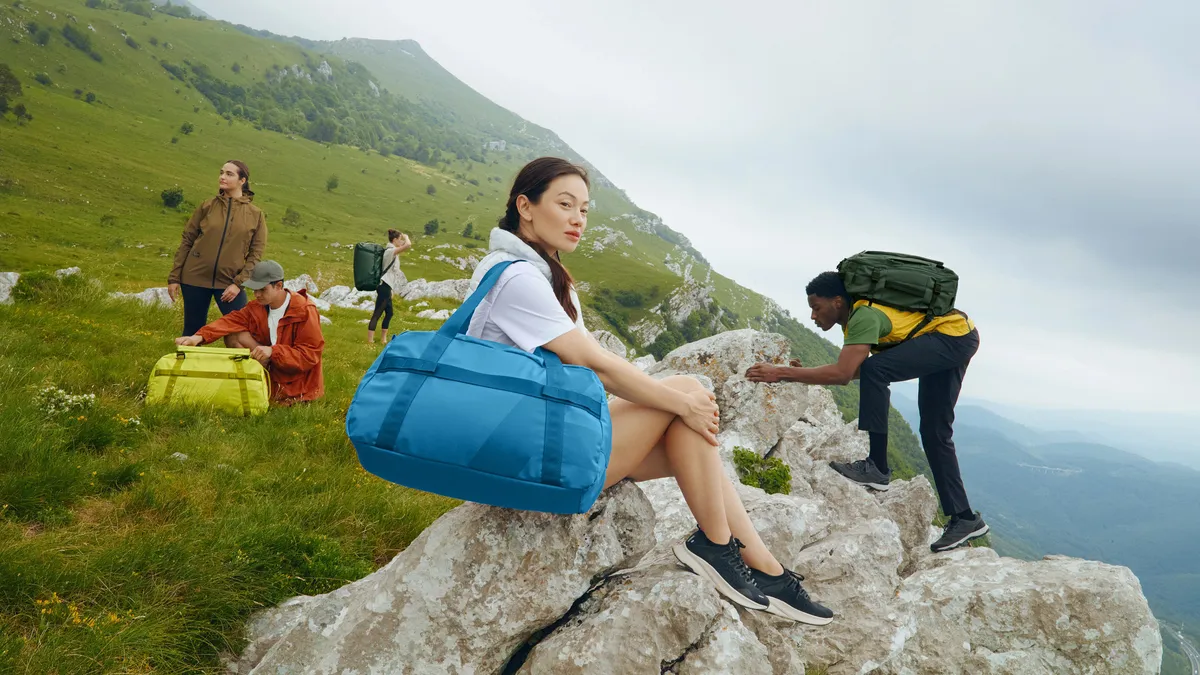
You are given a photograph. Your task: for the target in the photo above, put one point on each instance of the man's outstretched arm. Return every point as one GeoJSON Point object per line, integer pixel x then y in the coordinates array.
{"type": "Point", "coordinates": [842, 372]}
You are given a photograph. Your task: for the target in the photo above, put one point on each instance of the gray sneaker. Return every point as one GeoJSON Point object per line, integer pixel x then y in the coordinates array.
{"type": "Point", "coordinates": [864, 472]}
{"type": "Point", "coordinates": [958, 532]}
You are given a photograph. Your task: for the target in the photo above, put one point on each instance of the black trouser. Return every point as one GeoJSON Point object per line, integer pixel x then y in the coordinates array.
{"type": "Point", "coordinates": [940, 362]}
{"type": "Point", "coordinates": [196, 301]}
{"type": "Point", "coordinates": [383, 305]}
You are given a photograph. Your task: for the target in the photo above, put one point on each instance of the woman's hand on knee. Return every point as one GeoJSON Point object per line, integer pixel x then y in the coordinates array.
{"type": "Point", "coordinates": [702, 415]}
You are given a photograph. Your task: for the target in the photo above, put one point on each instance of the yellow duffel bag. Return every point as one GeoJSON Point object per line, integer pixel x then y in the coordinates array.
{"type": "Point", "coordinates": [225, 378]}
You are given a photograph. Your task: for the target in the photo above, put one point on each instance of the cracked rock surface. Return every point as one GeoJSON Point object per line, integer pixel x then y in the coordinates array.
{"type": "Point", "coordinates": [489, 591]}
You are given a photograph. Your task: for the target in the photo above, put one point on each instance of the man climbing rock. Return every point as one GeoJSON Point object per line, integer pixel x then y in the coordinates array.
{"type": "Point", "coordinates": [912, 338]}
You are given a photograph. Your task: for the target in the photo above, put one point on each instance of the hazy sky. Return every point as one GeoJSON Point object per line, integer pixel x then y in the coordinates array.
{"type": "Point", "coordinates": [1047, 152]}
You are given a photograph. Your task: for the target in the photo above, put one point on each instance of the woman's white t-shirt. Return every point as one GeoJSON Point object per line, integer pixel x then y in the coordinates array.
{"type": "Point", "coordinates": [393, 276]}
{"type": "Point", "coordinates": [522, 311]}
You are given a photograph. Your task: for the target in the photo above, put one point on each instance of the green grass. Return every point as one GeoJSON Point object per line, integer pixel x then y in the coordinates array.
{"type": "Point", "coordinates": [117, 557]}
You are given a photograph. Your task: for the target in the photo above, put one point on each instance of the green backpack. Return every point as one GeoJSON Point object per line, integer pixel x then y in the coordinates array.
{"type": "Point", "coordinates": [901, 281]}
{"type": "Point", "coordinates": [368, 265]}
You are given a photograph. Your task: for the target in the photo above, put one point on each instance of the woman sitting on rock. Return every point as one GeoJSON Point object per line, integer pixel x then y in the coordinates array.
{"type": "Point", "coordinates": [659, 428]}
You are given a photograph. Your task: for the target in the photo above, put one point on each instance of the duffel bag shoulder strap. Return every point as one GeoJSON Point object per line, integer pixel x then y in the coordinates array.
{"type": "Point", "coordinates": [427, 363]}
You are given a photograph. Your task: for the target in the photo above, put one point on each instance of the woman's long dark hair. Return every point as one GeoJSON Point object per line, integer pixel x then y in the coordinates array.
{"type": "Point", "coordinates": [243, 172]}
{"type": "Point", "coordinates": [532, 181]}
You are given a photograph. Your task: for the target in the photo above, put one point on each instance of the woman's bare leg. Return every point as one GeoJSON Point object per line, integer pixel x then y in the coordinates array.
{"type": "Point", "coordinates": [638, 431]}
{"type": "Point", "coordinates": [637, 428]}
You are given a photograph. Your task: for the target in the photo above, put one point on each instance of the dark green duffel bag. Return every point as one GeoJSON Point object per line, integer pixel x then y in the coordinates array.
{"type": "Point", "coordinates": [368, 265]}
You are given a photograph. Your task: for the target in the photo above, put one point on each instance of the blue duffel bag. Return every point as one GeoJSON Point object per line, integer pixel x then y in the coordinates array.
{"type": "Point", "coordinates": [482, 421]}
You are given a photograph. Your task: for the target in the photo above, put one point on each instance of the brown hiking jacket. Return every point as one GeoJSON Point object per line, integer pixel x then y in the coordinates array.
{"type": "Point", "coordinates": [220, 244]}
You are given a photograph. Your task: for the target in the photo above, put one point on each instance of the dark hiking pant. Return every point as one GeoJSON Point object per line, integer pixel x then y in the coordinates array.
{"type": "Point", "coordinates": [383, 305]}
{"type": "Point", "coordinates": [197, 300]}
{"type": "Point", "coordinates": [939, 362]}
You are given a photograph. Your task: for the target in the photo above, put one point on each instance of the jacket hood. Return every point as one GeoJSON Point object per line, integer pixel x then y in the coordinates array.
{"type": "Point", "coordinates": [505, 245]}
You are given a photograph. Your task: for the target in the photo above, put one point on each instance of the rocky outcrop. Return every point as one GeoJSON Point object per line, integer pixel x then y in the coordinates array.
{"type": "Point", "coordinates": [463, 597]}
{"type": "Point", "coordinates": [611, 342]}
{"type": "Point", "coordinates": [486, 590]}
{"type": "Point", "coordinates": [151, 297]}
{"type": "Point", "coordinates": [455, 289]}
{"type": "Point", "coordinates": [7, 281]}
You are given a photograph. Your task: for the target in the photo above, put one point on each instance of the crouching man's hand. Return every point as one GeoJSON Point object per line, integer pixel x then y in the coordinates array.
{"type": "Point", "coordinates": [189, 341]}
{"type": "Point", "coordinates": [764, 372]}
{"type": "Point", "coordinates": [262, 354]}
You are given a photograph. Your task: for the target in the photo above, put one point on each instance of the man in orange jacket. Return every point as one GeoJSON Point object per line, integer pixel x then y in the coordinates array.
{"type": "Point", "coordinates": [282, 330]}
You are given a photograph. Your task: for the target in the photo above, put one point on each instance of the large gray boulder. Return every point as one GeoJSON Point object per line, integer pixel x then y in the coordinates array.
{"type": "Point", "coordinates": [464, 595]}
{"type": "Point", "coordinates": [485, 589]}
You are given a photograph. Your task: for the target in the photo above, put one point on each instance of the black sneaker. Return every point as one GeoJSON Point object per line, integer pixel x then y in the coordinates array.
{"type": "Point", "coordinates": [958, 532]}
{"type": "Point", "coordinates": [864, 472]}
{"type": "Point", "coordinates": [789, 599]}
{"type": "Point", "coordinates": [722, 565]}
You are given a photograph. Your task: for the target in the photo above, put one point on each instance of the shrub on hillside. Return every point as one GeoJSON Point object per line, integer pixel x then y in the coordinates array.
{"type": "Point", "coordinates": [430, 190]}
{"type": "Point", "coordinates": [431, 228]}
{"type": "Point", "coordinates": [131, 42]}
{"type": "Point", "coordinates": [237, 68]}
{"type": "Point", "coordinates": [468, 230]}
{"type": "Point", "coordinates": [95, 4]}
{"type": "Point", "coordinates": [769, 474]}
{"type": "Point", "coordinates": [47, 287]}
{"type": "Point", "coordinates": [331, 183]}
{"type": "Point", "coordinates": [80, 40]}
{"type": "Point", "coordinates": [186, 128]}
{"type": "Point", "coordinates": [43, 78]}
{"type": "Point", "coordinates": [42, 37]}
{"type": "Point", "coordinates": [291, 217]}
{"type": "Point", "coordinates": [21, 113]}
{"type": "Point", "coordinates": [3, 106]}
{"type": "Point", "coordinates": [172, 197]}
{"type": "Point", "coordinates": [10, 86]}
{"type": "Point", "coordinates": [90, 98]}
{"type": "Point", "coordinates": [154, 41]}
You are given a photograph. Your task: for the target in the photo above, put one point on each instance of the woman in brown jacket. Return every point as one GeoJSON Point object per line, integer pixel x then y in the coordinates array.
{"type": "Point", "coordinates": [222, 242]}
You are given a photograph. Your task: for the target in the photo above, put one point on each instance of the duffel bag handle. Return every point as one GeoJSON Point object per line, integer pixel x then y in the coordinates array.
{"type": "Point", "coordinates": [459, 320]}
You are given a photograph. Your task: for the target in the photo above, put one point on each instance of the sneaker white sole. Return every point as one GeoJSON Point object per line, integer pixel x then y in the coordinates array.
{"type": "Point", "coordinates": [780, 608]}
{"type": "Point", "coordinates": [881, 487]}
{"type": "Point", "coordinates": [706, 571]}
{"type": "Point", "coordinates": [974, 535]}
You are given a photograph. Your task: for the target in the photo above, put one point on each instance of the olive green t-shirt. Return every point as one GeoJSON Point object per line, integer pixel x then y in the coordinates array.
{"type": "Point", "coordinates": [866, 326]}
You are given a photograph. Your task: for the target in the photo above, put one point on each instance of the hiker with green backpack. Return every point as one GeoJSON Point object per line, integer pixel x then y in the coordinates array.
{"type": "Point", "coordinates": [377, 268]}
{"type": "Point", "coordinates": [899, 323]}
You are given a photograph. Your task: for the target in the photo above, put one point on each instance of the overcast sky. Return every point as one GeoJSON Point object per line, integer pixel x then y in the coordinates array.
{"type": "Point", "coordinates": [1048, 152]}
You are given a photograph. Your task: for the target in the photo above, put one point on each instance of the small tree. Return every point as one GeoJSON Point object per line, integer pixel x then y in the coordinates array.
{"type": "Point", "coordinates": [131, 42]}
{"type": "Point", "coordinates": [20, 112]}
{"type": "Point", "coordinates": [431, 228]}
{"type": "Point", "coordinates": [468, 230]}
{"type": "Point", "coordinates": [43, 78]}
{"type": "Point", "coordinates": [10, 86]}
{"type": "Point", "coordinates": [3, 106]}
{"type": "Point", "coordinates": [331, 184]}
{"type": "Point", "coordinates": [430, 190]}
{"type": "Point", "coordinates": [291, 217]}
{"type": "Point", "coordinates": [42, 37]}
{"type": "Point", "coordinates": [90, 98]}
{"type": "Point", "coordinates": [172, 197]}
{"type": "Point", "coordinates": [237, 67]}
{"type": "Point", "coordinates": [186, 128]}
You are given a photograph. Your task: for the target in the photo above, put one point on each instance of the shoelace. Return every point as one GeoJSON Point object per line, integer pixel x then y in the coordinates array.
{"type": "Point", "coordinates": [793, 583]}
{"type": "Point", "coordinates": [733, 557]}
{"type": "Point", "coordinates": [859, 465]}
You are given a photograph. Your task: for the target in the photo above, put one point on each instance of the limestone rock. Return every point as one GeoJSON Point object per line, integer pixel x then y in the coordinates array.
{"type": "Point", "coordinates": [467, 592]}
{"type": "Point", "coordinates": [151, 297]}
{"type": "Point", "coordinates": [644, 362]}
{"type": "Point", "coordinates": [728, 647]}
{"type": "Point", "coordinates": [67, 272]}
{"type": "Point", "coordinates": [754, 416]}
{"type": "Point", "coordinates": [610, 342]}
{"type": "Point", "coordinates": [631, 624]}
{"type": "Point", "coordinates": [344, 296]}
{"type": "Point", "coordinates": [435, 314]}
{"type": "Point", "coordinates": [1002, 615]}
{"type": "Point", "coordinates": [419, 288]}
{"type": "Point", "coordinates": [325, 321]}
{"type": "Point", "coordinates": [303, 281]}
{"type": "Point", "coordinates": [7, 281]}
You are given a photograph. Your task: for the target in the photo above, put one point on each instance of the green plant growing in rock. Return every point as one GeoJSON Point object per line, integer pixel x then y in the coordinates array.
{"type": "Point", "coordinates": [769, 474]}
